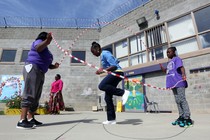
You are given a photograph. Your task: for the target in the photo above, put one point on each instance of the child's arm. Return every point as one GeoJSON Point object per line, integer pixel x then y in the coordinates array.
{"type": "Point", "coordinates": [162, 68]}
{"type": "Point", "coordinates": [183, 73]}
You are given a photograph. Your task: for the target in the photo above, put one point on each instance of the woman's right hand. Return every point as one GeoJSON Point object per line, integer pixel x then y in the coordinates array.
{"type": "Point", "coordinates": [49, 38]}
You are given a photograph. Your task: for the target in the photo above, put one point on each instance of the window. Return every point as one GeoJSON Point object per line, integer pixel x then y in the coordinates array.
{"type": "Point", "coordinates": [108, 48]}
{"type": "Point", "coordinates": [202, 19]}
{"type": "Point", "coordinates": [205, 40]}
{"type": "Point", "coordinates": [186, 46]}
{"type": "Point", "coordinates": [156, 36]}
{"type": "Point", "coordinates": [137, 43]}
{"type": "Point", "coordinates": [8, 56]}
{"type": "Point", "coordinates": [24, 55]}
{"type": "Point", "coordinates": [158, 53]}
{"type": "Point", "coordinates": [156, 39]}
{"type": "Point", "coordinates": [78, 54]}
{"type": "Point", "coordinates": [181, 28]}
{"type": "Point", "coordinates": [138, 59]}
{"type": "Point", "coordinates": [121, 49]}
{"type": "Point", "coordinates": [123, 63]}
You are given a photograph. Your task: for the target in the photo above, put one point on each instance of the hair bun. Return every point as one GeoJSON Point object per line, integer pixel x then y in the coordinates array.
{"type": "Point", "coordinates": [93, 43]}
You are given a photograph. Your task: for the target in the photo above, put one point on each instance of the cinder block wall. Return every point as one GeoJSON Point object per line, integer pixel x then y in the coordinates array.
{"type": "Point", "coordinates": [77, 80]}
{"type": "Point", "coordinates": [81, 79]}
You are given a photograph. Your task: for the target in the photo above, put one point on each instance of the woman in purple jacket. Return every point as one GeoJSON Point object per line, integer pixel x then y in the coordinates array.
{"type": "Point", "coordinates": [37, 64]}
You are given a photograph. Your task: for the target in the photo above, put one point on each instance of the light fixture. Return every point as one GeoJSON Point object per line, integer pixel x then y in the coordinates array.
{"type": "Point", "coordinates": [142, 23]}
{"type": "Point", "coordinates": [157, 14]}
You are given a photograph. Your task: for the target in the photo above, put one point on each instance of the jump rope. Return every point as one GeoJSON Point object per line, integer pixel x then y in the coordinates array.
{"type": "Point", "coordinates": [68, 53]}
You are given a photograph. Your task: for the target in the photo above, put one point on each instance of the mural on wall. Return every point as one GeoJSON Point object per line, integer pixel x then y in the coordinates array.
{"type": "Point", "coordinates": [11, 86]}
{"type": "Point", "coordinates": [136, 98]}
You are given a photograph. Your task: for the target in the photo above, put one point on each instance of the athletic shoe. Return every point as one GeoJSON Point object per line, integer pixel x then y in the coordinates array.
{"type": "Point", "coordinates": [24, 124]}
{"type": "Point", "coordinates": [125, 96]}
{"type": "Point", "coordinates": [186, 123]}
{"type": "Point", "coordinates": [35, 122]}
{"type": "Point", "coordinates": [109, 122]}
{"type": "Point", "coordinates": [177, 121]}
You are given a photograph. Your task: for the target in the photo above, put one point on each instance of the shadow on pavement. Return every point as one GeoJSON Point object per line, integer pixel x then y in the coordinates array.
{"type": "Point", "coordinates": [68, 122]}
{"type": "Point", "coordinates": [131, 121]}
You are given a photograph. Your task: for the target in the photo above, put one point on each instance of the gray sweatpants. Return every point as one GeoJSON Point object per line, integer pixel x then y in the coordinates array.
{"type": "Point", "coordinates": [183, 108]}
{"type": "Point", "coordinates": [34, 81]}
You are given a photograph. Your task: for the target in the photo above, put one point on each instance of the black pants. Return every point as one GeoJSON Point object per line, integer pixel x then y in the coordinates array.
{"type": "Point", "coordinates": [109, 85]}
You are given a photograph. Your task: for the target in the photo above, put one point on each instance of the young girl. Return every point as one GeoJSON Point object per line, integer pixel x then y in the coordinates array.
{"type": "Point", "coordinates": [110, 82]}
{"type": "Point", "coordinates": [176, 79]}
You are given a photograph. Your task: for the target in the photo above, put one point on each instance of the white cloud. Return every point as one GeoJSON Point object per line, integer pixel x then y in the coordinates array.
{"type": "Point", "coordinates": [15, 8]}
{"type": "Point", "coordinates": [58, 8]}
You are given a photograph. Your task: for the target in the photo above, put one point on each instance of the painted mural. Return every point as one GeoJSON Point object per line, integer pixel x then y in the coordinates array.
{"type": "Point", "coordinates": [10, 86]}
{"type": "Point", "coordinates": [136, 98]}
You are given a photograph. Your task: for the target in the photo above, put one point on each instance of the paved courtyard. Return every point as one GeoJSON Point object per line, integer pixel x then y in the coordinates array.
{"type": "Point", "coordinates": [87, 125]}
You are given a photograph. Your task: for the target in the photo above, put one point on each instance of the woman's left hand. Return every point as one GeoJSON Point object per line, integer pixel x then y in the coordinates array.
{"type": "Point", "coordinates": [99, 71]}
{"type": "Point", "coordinates": [57, 65]}
{"type": "Point", "coordinates": [184, 77]}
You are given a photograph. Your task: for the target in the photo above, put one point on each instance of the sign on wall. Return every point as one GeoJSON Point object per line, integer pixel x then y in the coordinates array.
{"type": "Point", "coordinates": [10, 86]}
{"type": "Point", "coordinates": [135, 100]}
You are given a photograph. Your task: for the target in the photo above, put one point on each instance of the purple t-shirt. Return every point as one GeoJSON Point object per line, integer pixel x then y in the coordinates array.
{"type": "Point", "coordinates": [42, 59]}
{"type": "Point", "coordinates": [174, 74]}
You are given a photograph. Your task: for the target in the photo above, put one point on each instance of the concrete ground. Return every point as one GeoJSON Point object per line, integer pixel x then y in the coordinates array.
{"type": "Point", "coordinates": [88, 126]}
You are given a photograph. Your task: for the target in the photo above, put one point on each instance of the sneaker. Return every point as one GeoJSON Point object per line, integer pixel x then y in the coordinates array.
{"type": "Point", "coordinates": [24, 124]}
{"type": "Point", "coordinates": [186, 123]}
{"type": "Point", "coordinates": [177, 121]}
{"type": "Point", "coordinates": [35, 122]}
{"type": "Point", "coordinates": [109, 122]}
{"type": "Point", "coordinates": [125, 96]}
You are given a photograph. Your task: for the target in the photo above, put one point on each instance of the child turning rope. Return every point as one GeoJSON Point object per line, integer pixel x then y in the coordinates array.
{"type": "Point", "coordinates": [175, 75]}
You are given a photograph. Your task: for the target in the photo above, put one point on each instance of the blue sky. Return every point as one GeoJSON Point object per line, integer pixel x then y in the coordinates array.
{"type": "Point", "coordinates": [58, 8]}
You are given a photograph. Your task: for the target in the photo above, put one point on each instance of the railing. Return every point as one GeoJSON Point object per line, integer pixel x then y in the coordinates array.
{"type": "Point", "coordinates": [72, 22]}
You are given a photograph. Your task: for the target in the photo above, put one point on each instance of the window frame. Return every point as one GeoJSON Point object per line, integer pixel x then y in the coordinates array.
{"type": "Point", "coordinates": [79, 63]}
{"type": "Point", "coordinates": [22, 62]}
{"type": "Point", "coordinates": [8, 62]}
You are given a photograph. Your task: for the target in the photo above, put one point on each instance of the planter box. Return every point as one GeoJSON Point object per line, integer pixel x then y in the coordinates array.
{"type": "Point", "coordinates": [12, 111]}
{"type": "Point", "coordinates": [40, 111]}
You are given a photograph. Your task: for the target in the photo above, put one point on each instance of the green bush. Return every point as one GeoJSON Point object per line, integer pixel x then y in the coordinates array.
{"type": "Point", "coordinates": [14, 103]}
{"type": "Point", "coordinates": [1, 112]}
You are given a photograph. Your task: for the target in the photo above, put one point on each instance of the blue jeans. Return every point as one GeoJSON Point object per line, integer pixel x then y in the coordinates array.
{"type": "Point", "coordinates": [109, 86]}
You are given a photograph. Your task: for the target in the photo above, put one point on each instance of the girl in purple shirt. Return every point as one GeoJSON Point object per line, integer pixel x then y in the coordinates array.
{"type": "Point", "coordinates": [176, 80]}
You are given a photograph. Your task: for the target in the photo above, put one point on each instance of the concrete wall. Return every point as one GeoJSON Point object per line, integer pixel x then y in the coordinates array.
{"type": "Point", "coordinates": [78, 80]}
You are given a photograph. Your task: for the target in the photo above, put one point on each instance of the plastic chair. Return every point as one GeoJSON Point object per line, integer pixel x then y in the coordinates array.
{"type": "Point", "coordinates": [150, 104]}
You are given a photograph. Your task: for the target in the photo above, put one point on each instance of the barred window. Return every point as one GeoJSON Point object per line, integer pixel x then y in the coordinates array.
{"type": "Point", "coordinates": [156, 36]}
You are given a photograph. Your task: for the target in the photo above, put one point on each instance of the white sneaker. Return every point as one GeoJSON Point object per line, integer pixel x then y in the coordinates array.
{"type": "Point", "coordinates": [125, 96]}
{"type": "Point", "coordinates": [109, 122]}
